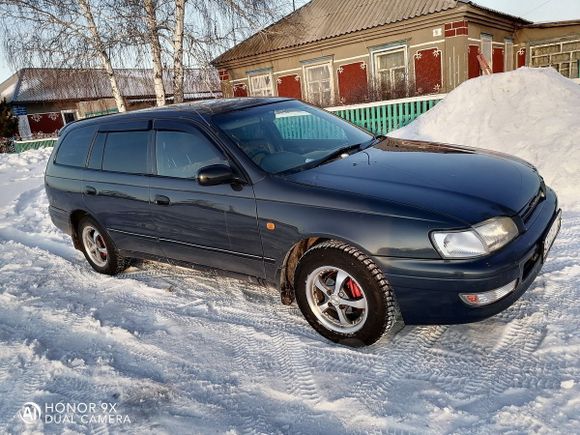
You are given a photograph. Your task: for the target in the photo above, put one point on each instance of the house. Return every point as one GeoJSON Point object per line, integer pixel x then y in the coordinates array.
{"type": "Point", "coordinates": [45, 99]}
{"type": "Point", "coordinates": [342, 52]}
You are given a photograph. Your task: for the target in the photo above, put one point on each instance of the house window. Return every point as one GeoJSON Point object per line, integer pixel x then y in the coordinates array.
{"type": "Point", "coordinates": [486, 49]}
{"type": "Point", "coordinates": [391, 72]}
{"type": "Point", "coordinates": [319, 85]}
{"type": "Point", "coordinates": [261, 85]}
{"type": "Point", "coordinates": [509, 55]}
{"type": "Point", "coordinates": [69, 116]}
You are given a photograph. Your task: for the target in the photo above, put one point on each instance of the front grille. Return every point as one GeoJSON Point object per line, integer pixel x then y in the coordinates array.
{"type": "Point", "coordinates": [529, 209]}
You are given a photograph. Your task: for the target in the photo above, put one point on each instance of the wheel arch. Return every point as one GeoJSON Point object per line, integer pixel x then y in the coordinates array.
{"type": "Point", "coordinates": [75, 218]}
{"type": "Point", "coordinates": [287, 269]}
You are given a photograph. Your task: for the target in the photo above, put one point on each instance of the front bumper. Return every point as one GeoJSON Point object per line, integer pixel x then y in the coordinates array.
{"type": "Point", "coordinates": [427, 291]}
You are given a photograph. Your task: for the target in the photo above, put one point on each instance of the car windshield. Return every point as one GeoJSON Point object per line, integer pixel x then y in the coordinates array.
{"type": "Point", "coordinates": [290, 136]}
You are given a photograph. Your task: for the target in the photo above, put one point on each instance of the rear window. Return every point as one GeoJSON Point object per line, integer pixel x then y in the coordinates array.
{"type": "Point", "coordinates": [126, 152]}
{"type": "Point", "coordinates": [74, 147]}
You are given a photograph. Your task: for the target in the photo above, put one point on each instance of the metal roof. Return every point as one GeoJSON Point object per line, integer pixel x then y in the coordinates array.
{"type": "Point", "coordinates": [53, 84]}
{"type": "Point", "coordinates": [323, 19]}
{"type": "Point", "coordinates": [549, 24]}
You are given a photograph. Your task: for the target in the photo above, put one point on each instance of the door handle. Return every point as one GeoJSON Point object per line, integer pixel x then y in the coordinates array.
{"type": "Point", "coordinates": [162, 200]}
{"type": "Point", "coordinates": [90, 190]}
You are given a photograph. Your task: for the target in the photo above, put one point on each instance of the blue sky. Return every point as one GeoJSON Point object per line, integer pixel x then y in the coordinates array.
{"type": "Point", "coordinates": [534, 10]}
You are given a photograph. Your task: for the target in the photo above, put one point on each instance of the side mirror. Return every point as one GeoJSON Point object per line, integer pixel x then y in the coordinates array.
{"type": "Point", "coordinates": [216, 174]}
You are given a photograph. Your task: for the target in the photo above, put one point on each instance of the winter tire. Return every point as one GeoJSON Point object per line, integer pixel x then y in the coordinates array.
{"type": "Point", "coordinates": [344, 295]}
{"type": "Point", "coordinates": [99, 249]}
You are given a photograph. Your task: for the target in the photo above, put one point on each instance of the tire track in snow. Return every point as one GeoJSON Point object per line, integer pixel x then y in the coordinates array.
{"type": "Point", "coordinates": [27, 376]}
{"type": "Point", "coordinates": [218, 342]}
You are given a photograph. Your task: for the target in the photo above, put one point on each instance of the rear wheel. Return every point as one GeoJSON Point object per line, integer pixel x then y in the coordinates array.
{"type": "Point", "coordinates": [99, 249]}
{"type": "Point", "coordinates": [344, 295]}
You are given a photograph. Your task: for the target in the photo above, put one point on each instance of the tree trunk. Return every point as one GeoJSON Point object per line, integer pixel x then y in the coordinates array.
{"type": "Point", "coordinates": [105, 59]}
{"type": "Point", "coordinates": [178, 76]}
{"type": "Point", "coordinates": [155, 52]}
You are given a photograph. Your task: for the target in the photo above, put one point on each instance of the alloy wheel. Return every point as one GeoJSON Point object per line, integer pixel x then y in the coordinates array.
{"type": "Point", "coordinates": [95, 246]}
{"type": "Point", "coordinates": [337, 300]}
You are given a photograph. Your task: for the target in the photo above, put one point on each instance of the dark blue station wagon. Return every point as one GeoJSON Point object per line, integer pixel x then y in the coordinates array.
{"type": "Point", "coordinates": [358, 229]}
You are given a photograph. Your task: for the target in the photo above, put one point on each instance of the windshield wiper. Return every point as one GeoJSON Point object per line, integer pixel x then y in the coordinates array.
{"type": "Point", "coordinates": [347, 151]}
{"type": "Point", "coordinates": [344, 151]}
{"type": "Point", "coordinates": [377, 139]}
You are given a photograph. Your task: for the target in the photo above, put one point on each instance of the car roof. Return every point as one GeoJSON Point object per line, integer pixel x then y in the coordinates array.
{"type": "Point", "coordinates": [202, 108]}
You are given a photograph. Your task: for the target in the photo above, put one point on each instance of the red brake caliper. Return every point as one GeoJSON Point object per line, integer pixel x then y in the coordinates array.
{"type": "Point", "coordinates": [354, 289]}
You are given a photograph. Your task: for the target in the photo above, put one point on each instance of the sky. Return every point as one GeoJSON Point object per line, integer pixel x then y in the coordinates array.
{"type": "Point", "coordinates": [533, 10]}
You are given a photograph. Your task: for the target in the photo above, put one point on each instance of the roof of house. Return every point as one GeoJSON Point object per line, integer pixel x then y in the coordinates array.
{"type": "Point", "coordinates": [549, 24]}
{"type": "Point", "coordinates": [31, 85]}
{"type": "Point", "coordinates": [323, 19]}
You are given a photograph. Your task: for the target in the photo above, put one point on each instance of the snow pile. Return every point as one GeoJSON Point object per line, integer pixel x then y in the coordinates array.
{"type": "Point", "coordinates": [531, 113]}
{"type": "Point", "coordinates": [19, 172]}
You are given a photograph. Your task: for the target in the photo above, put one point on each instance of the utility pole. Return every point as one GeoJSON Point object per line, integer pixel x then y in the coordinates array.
{"type": "Point", "coordinates": [293, 5]}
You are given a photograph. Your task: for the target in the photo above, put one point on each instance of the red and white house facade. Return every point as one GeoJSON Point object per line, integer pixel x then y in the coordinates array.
{"type": "Point", "coordinates": [435, 58]}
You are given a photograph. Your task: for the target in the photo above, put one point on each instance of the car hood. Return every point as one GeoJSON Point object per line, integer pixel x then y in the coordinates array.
{"type": "Point", "coordinates": [462, 183]}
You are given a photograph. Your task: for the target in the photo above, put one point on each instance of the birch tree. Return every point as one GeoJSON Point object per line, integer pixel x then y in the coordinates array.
{"type": "Point", "coordinates": [100, 48]}
{"type": "Point", "coordinates": [150, 34]}
{"type": "Point", "coordinates": [178, 34]}
{"type": "Point", "coordinates": [153, 30]}
{"type": "Point", "coordinates": [60, 33]}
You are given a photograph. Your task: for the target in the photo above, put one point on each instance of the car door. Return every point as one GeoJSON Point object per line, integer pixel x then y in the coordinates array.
{"type": "Point", "coordinates": [214, 226]}
{"type": "Point", "coordinates": [116, 185]}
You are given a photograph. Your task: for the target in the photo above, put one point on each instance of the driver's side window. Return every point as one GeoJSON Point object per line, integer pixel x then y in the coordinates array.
{"type": "Point", "coordinates": [182, 154]}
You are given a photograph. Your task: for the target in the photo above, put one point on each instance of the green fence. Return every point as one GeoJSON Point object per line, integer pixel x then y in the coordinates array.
{"type": "Point", "coordinates": [101, 113]}
{"type": "Point", "coordinates": [386, 116]}
{"type": "Point", "coordinates": [26, 145]}
{"type": "Point", "coordinates": [306, 126]}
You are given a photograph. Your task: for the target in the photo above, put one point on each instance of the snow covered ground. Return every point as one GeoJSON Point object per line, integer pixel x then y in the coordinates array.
{"type": "Point", "coordinates": [196, 351]}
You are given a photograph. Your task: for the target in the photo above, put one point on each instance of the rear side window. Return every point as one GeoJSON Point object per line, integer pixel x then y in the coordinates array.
{"type": "Point", "coordinates": [126, 152]}
{"type": "Point", "coordinates": [183, 154]}
{"type": "Point", "coordinates": [75, 146]}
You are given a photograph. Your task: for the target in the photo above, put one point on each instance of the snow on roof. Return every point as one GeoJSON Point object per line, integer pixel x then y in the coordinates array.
{"type": "Point", "coordinates": [8, 92]}
{"type": "Point", "coordinates": [54, 84]}
{"type": "Point", "coordinates": [530, 113]}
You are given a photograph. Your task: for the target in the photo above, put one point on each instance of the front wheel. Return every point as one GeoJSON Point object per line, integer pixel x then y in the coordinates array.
{"type": "Point", "coordinates": [344, 295]}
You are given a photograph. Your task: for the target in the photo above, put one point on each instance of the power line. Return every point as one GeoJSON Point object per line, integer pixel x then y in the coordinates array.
{"type": "Point", "coordinates": [538, 7]}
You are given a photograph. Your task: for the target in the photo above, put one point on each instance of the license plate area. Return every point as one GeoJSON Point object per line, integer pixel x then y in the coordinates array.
{"type": "Point", "coordinates": [552, 234]}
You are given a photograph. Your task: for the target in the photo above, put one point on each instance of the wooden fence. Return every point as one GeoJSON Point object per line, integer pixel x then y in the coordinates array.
{"type": "Point", "coordinates": [25, 145]}
{"type": "Point", "coordinates": [385, 116]}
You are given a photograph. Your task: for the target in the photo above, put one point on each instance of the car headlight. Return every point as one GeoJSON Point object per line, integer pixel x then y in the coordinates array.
{"type": "Point", "coordinates": [481, 239]}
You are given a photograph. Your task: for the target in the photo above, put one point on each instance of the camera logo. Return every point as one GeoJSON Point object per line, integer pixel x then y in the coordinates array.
{"type": "Point", "coordinates": [30, 412]}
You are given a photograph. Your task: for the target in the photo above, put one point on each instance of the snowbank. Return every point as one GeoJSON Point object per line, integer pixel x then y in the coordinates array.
{"type": "Point", "coordinates": [20, 172]}
{"type": "Point", "coordinates": [531, 113]}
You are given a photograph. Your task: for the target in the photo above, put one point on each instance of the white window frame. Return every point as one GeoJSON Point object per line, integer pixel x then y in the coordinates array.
{"type": "Point", "coordinates": [389, 50]}
{"type": "Point", "coordinates": [487, 38]}
{"type": "Point", "coordinates": [306, 68]}
{"type": "Point", "coordinates": [509, 64]}
{"type": "Point", "coordinates": [74, 112]}
{"type": "Point", "coordinates": [253, 90]}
